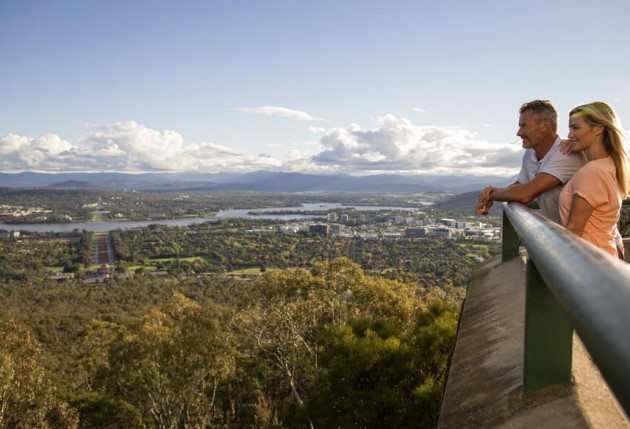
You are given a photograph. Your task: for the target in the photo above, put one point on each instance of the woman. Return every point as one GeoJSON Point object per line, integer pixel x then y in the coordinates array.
{"type": "Point", "coordinates": [590, 202]}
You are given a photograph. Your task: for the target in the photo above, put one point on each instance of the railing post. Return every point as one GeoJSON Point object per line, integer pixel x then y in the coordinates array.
{"type": "Point", "coordinates": [509, 240]}
{"type": "Point", "coordinates": [548, 336]}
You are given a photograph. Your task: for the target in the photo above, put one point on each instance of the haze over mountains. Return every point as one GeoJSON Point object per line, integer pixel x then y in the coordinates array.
{"type": "Point", "coordinates": [259, 181]}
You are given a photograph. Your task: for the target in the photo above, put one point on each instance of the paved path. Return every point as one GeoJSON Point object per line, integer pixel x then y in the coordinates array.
{"type": "Point", "coordinates": [103, 252]}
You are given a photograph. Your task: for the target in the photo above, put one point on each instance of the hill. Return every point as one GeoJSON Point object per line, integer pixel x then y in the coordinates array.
{"type": "Point", "coordinates": [259, 181]}
{"type": "Point", "coordinates": [465, 202]}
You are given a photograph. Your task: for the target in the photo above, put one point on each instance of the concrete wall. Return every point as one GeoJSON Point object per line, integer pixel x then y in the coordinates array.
{"type": "Point", "coordinates": [484, 387]}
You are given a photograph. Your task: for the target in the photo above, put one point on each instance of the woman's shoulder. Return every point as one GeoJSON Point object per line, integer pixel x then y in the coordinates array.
{"type": "Point", "coordinates": [603, 168]}
{"type": "Point", "coordinates": [601, 164]}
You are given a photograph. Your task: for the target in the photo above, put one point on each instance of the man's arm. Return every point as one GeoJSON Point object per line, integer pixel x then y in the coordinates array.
{"type": "Point", "coordinates": [527, 192]}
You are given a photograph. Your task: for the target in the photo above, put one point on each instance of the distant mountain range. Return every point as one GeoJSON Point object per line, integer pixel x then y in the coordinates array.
{"type": "Point", "coordinates": [259, 181]}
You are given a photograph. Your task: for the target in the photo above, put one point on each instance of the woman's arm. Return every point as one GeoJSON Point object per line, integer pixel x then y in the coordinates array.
{"type": "Point", "coordinates": [580, 212]}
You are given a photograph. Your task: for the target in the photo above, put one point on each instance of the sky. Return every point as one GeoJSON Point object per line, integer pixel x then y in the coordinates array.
{"type": "Point", "coordinates": [328, 86]}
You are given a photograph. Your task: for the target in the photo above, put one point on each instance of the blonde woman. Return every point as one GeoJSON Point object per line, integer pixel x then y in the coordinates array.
{"type": "Point", "coordinates": [590, 202]}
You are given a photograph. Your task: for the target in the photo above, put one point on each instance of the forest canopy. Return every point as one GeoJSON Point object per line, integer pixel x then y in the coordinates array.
{"type": "Point", "coordinates": [291, 348]}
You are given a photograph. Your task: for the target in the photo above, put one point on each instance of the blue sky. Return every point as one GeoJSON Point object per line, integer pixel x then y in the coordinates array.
{"type": "Point", "coordinates": [341, 86]}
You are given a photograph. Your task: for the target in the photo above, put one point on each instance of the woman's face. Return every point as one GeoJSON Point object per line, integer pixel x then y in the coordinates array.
{"type": "Point", "coordinates": [582, 133]}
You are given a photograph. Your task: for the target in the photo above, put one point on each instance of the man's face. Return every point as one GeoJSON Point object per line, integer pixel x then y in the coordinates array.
{"type": "Point", "coordinates": [529, 130]}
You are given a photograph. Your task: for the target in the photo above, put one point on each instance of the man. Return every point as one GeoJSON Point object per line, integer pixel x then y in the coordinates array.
{"type": "Point", "coordinates": [544, 170]}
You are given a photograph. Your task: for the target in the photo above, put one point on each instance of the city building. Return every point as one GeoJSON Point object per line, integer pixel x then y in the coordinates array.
{"type": "Point", "coordinates": [416, 232]}
{"type": "Point", "coordinates": [318, 228]}
{"type": "Point", "coordinates": [9, 234]}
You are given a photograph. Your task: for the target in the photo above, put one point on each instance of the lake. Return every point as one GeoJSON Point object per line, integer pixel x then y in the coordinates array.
{"type": "Point", "coordinates": [222, 214]}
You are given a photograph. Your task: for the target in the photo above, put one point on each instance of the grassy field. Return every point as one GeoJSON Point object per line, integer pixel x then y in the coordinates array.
{"type": "Point", "coordinates": [189, 259]}
{"type": "Point", "coordinates": [144, 267]}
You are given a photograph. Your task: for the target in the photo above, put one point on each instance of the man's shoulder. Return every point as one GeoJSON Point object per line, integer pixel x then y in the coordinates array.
{"type": "Point", "coordinates": [561, 166]}
{"type": "Point", "coordinates": [529, 156]}
{"type": "Point", "coordinates": [556, 156]}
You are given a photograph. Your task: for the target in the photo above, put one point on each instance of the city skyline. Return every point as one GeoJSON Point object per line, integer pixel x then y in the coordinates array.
{"type": "Point", "coordinates": [370, 87]}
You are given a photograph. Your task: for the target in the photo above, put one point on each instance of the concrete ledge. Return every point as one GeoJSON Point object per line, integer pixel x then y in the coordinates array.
{"type": "Point", "coordinates": [484, 386]}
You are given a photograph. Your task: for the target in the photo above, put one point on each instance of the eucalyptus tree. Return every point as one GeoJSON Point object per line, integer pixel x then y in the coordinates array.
{"type": "Point", "coordinates": [169, 365]}
{"type": "Point", "coordinates": [28, 397]}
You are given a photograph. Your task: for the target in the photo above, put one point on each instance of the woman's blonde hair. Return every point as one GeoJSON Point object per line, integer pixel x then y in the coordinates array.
{"type": "Point", "coordinates": [600, 113]}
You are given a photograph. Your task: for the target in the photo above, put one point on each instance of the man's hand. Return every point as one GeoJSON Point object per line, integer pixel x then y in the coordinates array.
{"type": "Point", "coordinates": [485, 192]}
{"type": "Point", "coordinates": [483, 207]}
{"type": "Point", "coordinates": [484, 202]}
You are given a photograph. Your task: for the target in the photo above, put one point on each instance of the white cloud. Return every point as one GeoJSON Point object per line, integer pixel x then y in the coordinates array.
{"type": "Point", "coordinates": [280, 111]}
{"type": "Point", "coordinates": [316, 130]}
{"type": "Point", "coordinates": [399, 145]}
{"type": "Point", "coordinates": [394, 145]}
{"type": "Point", "coordinates": [419, 110]}
{"type": "Point", "coordinates": [123, 146]}
{"type": "Point", "coordinates": [48, 152]}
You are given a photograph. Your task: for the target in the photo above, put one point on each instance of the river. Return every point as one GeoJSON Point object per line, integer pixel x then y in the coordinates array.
{"type": "Point", "coordinates": [222, 214]}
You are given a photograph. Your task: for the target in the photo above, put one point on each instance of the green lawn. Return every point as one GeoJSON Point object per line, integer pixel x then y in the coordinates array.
{"type": "Point", "coordinates": [144, 267]}
{"type": "Point", "coordinates": [254, 270]}
{"type": "Point", "coordinates": [189, 259]}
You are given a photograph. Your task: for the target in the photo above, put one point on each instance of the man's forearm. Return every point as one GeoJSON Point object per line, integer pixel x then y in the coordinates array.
{"type": "Point", "coordinates": [513, 192]}
{"type": "Point", "coordinates": [526, 192]}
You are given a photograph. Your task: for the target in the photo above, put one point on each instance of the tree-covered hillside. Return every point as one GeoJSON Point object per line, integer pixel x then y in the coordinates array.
{"type": "Point", "coordinates": [324, 347]}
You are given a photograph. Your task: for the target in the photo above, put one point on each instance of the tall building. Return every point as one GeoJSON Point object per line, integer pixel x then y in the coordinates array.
{"type": "Point", "coordinates": [416, 232]}
{"type": "Point", "coordinates": [318, 228]}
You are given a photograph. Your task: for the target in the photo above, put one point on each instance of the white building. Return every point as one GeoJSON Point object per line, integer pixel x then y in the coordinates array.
{"type": "Point", "coordinates": [9, 234]}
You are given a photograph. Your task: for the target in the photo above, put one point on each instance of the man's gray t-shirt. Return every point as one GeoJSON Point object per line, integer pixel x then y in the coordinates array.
{"type": "Point", "coordinates": [558, 165]}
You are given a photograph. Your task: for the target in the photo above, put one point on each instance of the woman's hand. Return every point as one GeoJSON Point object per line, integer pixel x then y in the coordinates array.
{"type": "Point", "coordinates": [566, 146]}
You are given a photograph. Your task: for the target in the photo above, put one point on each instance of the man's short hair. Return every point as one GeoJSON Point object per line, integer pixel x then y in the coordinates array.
{"type": "Point", "coordinates": [541, 109]}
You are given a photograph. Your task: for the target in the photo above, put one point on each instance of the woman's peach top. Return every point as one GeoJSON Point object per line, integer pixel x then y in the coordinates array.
{"type": "Point", "coordinates": [597, 184]}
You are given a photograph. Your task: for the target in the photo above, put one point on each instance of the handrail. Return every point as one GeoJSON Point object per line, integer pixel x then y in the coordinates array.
{"type": "Point", "coordinates": [590, 287]}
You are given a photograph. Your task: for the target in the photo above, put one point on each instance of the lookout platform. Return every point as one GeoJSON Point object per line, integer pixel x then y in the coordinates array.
{"type": "Point", "coordinates": [484, 388]}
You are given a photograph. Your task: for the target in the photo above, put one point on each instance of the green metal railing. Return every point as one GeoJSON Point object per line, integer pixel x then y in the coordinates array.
{"type": "Point", "coordinates": [570, 285]}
